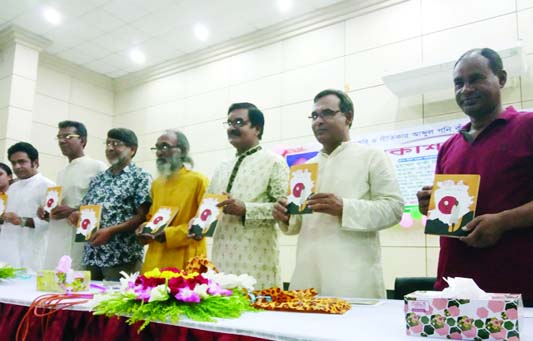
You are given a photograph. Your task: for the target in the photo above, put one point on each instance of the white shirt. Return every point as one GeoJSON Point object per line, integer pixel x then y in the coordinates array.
{"type": "Point", "coordinates": [74, 180]}
{"type": "Point", "coordinates": [24, 246]}
{"type": "Point", "coordinates": [341, 256]}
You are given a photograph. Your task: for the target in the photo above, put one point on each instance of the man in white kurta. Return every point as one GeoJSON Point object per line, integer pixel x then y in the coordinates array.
{"type": "Point", "coordinates": [338, 250]}
{"type": "Point", "coordinates": [245, 239]}
{"type": "Point", "coordinates": [23, 238]}
{"type": "Point", "coordinates": [74, 180]}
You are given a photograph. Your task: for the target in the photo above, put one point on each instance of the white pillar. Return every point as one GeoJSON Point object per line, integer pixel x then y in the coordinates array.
{"type": "Point", "coordinates": [19, 60]}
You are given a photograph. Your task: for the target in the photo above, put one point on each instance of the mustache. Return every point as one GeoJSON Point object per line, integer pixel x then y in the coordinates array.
{"type": "Point", "coordinates": [234, 133]}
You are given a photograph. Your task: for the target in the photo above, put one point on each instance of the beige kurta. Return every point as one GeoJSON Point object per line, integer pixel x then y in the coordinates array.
{"type": "Point", "coordinates": [342, 256]}
{"type": "Point", "coordinates": [74, 180]}
{"type": "Point", "coordinates": [252, 247]}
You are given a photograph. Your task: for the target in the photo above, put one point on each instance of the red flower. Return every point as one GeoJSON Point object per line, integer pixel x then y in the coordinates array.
{"type": "Point", "coordinates": [177, 283]}
{"type": "Point", "coordinates": [149, 282]}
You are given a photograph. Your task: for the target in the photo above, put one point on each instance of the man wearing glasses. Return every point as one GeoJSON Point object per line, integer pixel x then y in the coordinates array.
{"type": "Point", "coordinates": [245, 239]}
{"type": "Point", "coordinates": [357, 195]}
{"type": "Point", "coordinates": [74, 180]}
{"type": "Point", "coordinates": [177, 186]}
{"type": "Point", "coordinates": [123, 191]}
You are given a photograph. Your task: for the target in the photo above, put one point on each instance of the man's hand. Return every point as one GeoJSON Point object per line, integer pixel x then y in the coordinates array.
{"type": "Point", "coordinates": [62, 212]}
{"type": "Point", "coordinates": [42, 214]}
{"type": "Point", "coordinates": [423, 197]}
{"type": "Point", "coordinates": [73, 218]}
{"type": "Point", "coordinates": [327, 203]}
{"type": "Point", "coordinates": [144, 238]}
{"type": "Point", "coordinates": [196, 232]}
{"type": "Point", "coordinates": [10, 217]}
{"type": "Point", "coordinates": [233, 206]}
{"type": "Point", "coordinates": [279, 211]}
{"type": "Point", "coordinates": [101, 236]}
{"type": "Point", "coordinates": [486, 230]}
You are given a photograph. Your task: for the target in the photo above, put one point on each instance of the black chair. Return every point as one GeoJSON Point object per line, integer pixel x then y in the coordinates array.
{"type": "Point", "coordinates": [406, 285]}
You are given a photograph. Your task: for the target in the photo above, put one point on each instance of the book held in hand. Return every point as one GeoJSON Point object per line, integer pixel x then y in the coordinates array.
{"type": "Point", "coordinates": [452, 204]}
{"type": "Point", "coordinates": [161, 219]}
{"type": "Point", "coordinates": [53, 198]}
{"type": "Point", "coordinates": [205, 221]}
{"type": "Point", "coordinates": [88, 223]}
{"type": "Point", "coordinates": [302, 184]}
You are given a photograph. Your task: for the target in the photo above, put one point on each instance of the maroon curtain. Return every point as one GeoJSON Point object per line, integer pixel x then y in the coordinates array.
{"type": "Point", "coordinates": [84, 326]}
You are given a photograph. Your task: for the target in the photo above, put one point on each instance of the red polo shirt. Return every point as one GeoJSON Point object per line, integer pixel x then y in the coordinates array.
{"type": "Point", "coordinates": [503, 156]}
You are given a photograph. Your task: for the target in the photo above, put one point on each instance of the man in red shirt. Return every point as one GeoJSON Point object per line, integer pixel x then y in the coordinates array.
{"type": "Point", "coordinates": [498, 145]}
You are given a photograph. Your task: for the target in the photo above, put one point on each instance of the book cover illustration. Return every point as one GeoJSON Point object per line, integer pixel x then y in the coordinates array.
{"type": "Point", "coordinates": [302, 184]}
{"type": "Point", "coordinates": [88, 223]}
{"type": "Point", "coordinates": [452, 204]}
{"type": "Point", "coordinates": [53, 198]}
{"type": "Point", "coordinates": [205, 221]}
{"type": "Point", "coordinates": [3, 203]}
{"type": "Point", "coordinates": [161, 219]}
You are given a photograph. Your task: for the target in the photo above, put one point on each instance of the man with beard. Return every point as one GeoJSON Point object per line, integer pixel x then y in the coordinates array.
{"type": "Point", "coordinates": [123, 191]}
{"type": "Point", "coordinates": [497, 144]}
{"type": "Point", "coordinates": [245, 239]}
{"type": "Point", "coordinates": [176, 186]}
{"type": "Point", "coordinates": [23, 236]}
{"type": "Point", "coordinates": [74, 180]}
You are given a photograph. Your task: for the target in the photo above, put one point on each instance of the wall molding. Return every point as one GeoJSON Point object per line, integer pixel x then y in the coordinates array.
{"type": "Point", "coordinates": [14, 34]}
{"type": "Point", "coordinates": [312, 21]}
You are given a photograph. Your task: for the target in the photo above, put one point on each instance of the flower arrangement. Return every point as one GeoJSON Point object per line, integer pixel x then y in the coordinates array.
{"type": "Point", "coordinates": [7, 271]}
{"type": "Point", "coordinates": [166, 294]}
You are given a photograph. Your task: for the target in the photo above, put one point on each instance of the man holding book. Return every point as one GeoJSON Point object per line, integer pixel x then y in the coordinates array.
{"type": "Point", "coordinates": [245, 240]}
{"type": "Point", "coordinates": [497, 144]}
{"type": "Point", "coordinates": [23, 237]}
{"type": "Point", "coordinates": [177, 188]}
{"type": "Point", "coordinates": [74, 180]}
{"type": "Point", "coordinates": [357, 195]}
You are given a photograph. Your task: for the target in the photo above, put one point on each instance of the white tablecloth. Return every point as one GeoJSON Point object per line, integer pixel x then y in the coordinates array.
{"type": "Point", "coordinates": [384, 321]}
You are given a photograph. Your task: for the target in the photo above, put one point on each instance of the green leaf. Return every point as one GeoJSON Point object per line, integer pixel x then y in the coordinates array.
{"type": "Point", "coordinates": [511, 305]}
{"type": "Point", "coordinates": [450, 321]}
{"type": "Point", "coordinates": [424, 319]}
{"type": "Point", "coordinates": [508, 325]}
{"type": "Point", "coordinates": [429, 330]}
{"type": "Point", "coordinates": [479, 324]}
{"type": "Point", "coordinates": [483, 333]}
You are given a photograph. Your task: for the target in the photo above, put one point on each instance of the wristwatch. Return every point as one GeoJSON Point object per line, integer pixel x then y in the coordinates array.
{"type": "Point", "coordinates": [23, 222]}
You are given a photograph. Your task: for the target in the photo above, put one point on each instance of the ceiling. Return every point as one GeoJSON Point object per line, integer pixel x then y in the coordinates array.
{"type": "Point", "coordinates": [99, 34]}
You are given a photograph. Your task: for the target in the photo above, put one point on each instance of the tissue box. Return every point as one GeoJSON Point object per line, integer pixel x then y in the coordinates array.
{"type": "Point", "coordinates": [495, 318]}
{"type": "Point", "coordinates": [52, 280]}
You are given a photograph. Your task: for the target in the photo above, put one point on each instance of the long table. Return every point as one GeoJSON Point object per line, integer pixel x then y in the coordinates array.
{"type": "Point", "coordinates": [384, 321]}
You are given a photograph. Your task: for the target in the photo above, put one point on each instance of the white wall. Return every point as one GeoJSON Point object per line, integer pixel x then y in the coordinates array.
{"type": "Point", "coordinates": [282, 79]}
{"type": "Point", "coordinates": [60, 95]}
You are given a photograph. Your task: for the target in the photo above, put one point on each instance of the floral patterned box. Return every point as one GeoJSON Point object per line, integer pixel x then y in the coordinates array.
{"type": "Point", "coordinates": [57, 281]}
{"type": "Point", "coordinates": [496, 318]}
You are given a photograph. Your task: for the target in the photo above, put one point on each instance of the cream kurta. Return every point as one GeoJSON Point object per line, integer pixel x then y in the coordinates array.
{"type": "Point", "coordinates": [74, 180]}
{"type": "Point", "coordinates": [25, 246]}
{"type": "Point", "coordinates": [342, 257]}
{"type": "Point", "coordinates": [251, 248]}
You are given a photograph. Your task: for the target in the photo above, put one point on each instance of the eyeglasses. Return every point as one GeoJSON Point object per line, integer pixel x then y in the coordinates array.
{"type": "Point", "coordinates": [114, 144]}
{"type": "Point", "coordinates": [239, 122]}
{"type": "Point", "coordinates": [324, 114]}
{"type": "Point", "coordinates": [67, 137]}
{"type": "Point", "coordinates": [163, 148]}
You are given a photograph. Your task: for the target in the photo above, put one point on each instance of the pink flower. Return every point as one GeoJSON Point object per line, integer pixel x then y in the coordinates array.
{"type": "Point", "coordinates": [65, 264]}
{"type": "Point", "coordinates": [514, 338]}
{"type": "Point", "coordinates": [471, 333]}
{"type": "Point", "coordinates": [482, 312]}
{"type": "Point", "coordinates": [187, 295]}
{"type": "Point", "coordinates": [499, 335]}
{"type": "Point", "coordinates": [454, 311]}
{"type": "Point", "coordinates": [512, 314]}
{"type": "Point", "coordinates": [417, 329]}
{"type": "Point", "coordinates": [214, 289]}
{"type": "Point", "coordinates": [443, 331]}
{"type": "Point", "coordinates": [440, 303]}
{"type": "Point", "coordinates": [456, 336]}
{"type": "Point", "coordinates": [142, 293]}
{"type": "Point", "coordinates": [496, 306]}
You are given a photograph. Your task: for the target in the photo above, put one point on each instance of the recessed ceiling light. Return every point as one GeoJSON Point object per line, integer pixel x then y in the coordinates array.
{"type": "Point", "coordinates": [137, 56]}
{"type": "Point", "coordinates": [52, 15]}
{"type": "Point", "coordinates": [284, 5]}
{"type": "Point", "coordinates": [201, 32]}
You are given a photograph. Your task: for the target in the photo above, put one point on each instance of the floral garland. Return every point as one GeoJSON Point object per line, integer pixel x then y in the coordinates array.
{"type": "Point", "coordinates": [7, 271]}
{"type": "Point", "coordinates": [167, 294]}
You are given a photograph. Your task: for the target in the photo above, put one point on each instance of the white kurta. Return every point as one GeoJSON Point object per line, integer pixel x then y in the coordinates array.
{"type": "Point", "coordinates": [24, 246]}
{"type": "Point", "coordinates": [342, 256]}
{"type": "Point", "coordinates": [74, 180]}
